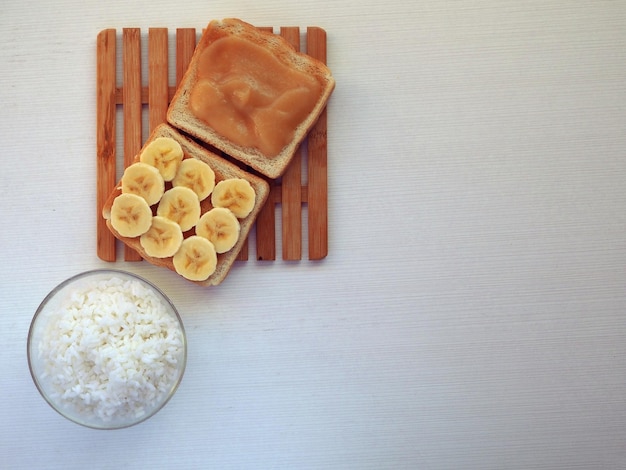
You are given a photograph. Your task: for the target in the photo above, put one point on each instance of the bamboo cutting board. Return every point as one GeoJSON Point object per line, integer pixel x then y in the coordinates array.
{"type": "Point", "coordinates": [140, 99]}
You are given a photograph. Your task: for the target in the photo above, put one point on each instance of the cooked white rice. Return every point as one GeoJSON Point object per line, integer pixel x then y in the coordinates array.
{"type": "Point", "coordinates": [112, 351]}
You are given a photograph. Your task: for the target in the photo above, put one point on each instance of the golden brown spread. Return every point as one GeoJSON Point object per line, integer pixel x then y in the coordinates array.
{"type": "Point", "coordinates": [249, 97]}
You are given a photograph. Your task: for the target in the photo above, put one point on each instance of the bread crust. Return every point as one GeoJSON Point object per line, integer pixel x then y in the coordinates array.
{"type": "Point", "coordinates": [181, 117]}
{"type": "Point", "coordinates": [223, 170]}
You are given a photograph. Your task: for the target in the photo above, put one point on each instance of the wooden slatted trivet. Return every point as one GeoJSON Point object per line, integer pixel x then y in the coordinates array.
{"type": "Point", "coordinates": [133, 97]}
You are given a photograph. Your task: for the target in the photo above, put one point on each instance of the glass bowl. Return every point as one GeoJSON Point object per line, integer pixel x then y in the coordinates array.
{"type": "Point", "coordinates": [107, 349]}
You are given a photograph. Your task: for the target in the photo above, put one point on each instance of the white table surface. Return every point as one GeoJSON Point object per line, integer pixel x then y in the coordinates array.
{"type": "Point", "coordinates": [471, 311]}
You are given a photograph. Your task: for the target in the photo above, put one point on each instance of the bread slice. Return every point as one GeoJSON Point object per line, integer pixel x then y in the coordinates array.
{"type": "Point", "coordinates": [247, 149]}
{"type": "Point", "coordinates": [223, 170]}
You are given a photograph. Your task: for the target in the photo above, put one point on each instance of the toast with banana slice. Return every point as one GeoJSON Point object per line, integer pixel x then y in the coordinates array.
{"type": "Point", "coordinates": [183, 207]}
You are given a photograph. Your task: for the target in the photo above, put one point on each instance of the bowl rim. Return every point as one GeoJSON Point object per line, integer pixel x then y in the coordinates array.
{"type": "Point", "coordinates": [70, 280]}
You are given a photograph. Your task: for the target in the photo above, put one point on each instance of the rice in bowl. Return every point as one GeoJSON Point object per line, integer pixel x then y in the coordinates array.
{"type": "Point", "coordinates": [107, 349]}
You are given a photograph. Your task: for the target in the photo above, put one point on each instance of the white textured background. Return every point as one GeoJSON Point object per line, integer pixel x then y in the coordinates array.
{"type": "Point", "coordinates": [471, 312]}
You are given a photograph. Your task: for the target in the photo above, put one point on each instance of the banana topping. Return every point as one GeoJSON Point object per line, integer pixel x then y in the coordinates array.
{"type": "Point", "coordinates": [220, 227]}
{"type": "Point", "coordinates": [165, 154]}
{"type": "Point", "coordinates": [195, 175]}
{"type": "Point", "coordinates": [235, 194]}
{"type": "Point", "coordinates": [181, 205]}
{"type": "Point", "coordinates": [163, 239]}
{"type": "Point", "coordinates": [143, 180]}
{"type": "Point", "coordinates": [131, 215]}
{"type": "Point", "coordinates": [196, 259]}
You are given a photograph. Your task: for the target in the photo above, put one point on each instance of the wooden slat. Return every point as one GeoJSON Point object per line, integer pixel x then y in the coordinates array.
{"type": "Point", "coordinates": [131, 47]}
{"type": "Point", "coordinates": [318, 163]}
{"type": "Point", "coordinates": [291, 181]}
{"type": "Point", "coordinates": [158, 93]}
{"type": "Point", "coordinates": [119, 92]}
{"type": "Point", "coordinates": [266, 221]}
{"type": "Point", "coordinates": [243, 253]}
{"type": "Point", "coordinates": [105, 137]}
{"type": "Point", "coordinates": [185, 45]}
{"type": "Point", "coordinates": [265, 228]}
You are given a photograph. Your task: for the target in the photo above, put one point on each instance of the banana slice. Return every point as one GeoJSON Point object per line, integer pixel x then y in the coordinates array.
{"type": "Point", "coordinates": [220, 227]}
{"type": "Point", "coordinates": [131, 215]}
{"type": "Point", "coordinates": [181, 205]}
{"type": "Point", "coordinates": [143, 180]}
{"type": "Point", "coordinates": [235, 194]}
{"type": "Point", "coordinates": [163, 239]}
{"type": "Point", "coordinates": [165, 154]}
{"type": "Point", "coordinates": [195, 175]}
{"type": "Point", "coordinates": [195, 259]}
